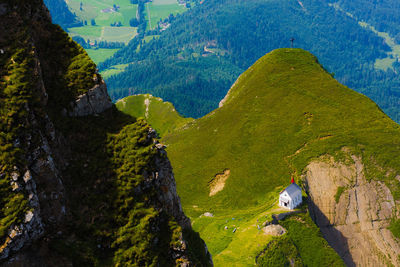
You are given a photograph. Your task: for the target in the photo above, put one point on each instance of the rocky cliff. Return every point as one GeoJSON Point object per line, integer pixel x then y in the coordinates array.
{"type": "Point", "coordinates": [353, 213]}
{"type": "Point", "coordinates": [80, 182]}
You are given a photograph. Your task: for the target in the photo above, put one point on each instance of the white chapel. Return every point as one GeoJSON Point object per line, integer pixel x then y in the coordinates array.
{"type": "Point", "coordinates": [291, 197]}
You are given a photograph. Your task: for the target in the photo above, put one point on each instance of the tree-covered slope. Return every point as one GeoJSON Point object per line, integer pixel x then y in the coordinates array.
{"type": "Point", "coordinates": [161, 115]}
{"type": "Point", "coordinates": [282, 114]}
{"type": "Point", "coordinates": [383, 15]}
{"type": "Point", "coordinates": [195, 61]}
{"type": "Point", "coordinates": [61, 14]}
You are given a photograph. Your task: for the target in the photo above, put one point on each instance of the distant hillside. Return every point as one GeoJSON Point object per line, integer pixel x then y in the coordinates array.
{"type": "Point", "coordinates": [286, 116]}
{"type": "Point", "coordinates": [61, 14]}
{"type": "Point", "coordinates": [162, 116]}
{"type": "Point", "coordinates": [194, 62]}
{"type": "Point", "coordinates": [383, 15]}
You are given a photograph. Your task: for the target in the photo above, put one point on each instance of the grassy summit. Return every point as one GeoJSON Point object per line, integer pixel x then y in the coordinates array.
{"type": "Point", "coordinates": [162, 116]}
{"type": "Point", "coordinates": [282, 112]}
{"type": "Point", "coordinates": [284, 101]}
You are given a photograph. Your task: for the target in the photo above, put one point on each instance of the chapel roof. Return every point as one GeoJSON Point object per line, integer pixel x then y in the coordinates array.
{"type": "Point", "coordinates": [292, 189]}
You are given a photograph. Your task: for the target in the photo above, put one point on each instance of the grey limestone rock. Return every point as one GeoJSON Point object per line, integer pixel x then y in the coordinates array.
{"type": "Point", "coordinates": [95, 101]}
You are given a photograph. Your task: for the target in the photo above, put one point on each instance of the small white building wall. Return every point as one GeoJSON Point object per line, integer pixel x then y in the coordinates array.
{"type": "Point", "coordinates": [282, 200]}
{"type": "Point", "coordinates": [292, 202]}
{"type": "Point", "coordinates": [295, 201]}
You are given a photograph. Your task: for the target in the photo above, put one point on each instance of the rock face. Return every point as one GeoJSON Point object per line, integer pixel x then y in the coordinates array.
{"type": "Point", "coordinates": [48, 169]}
{"type": "Point", "coordinates": [167, 199]}
{"type": "Point", "coordinates": [353, 213]}
{"type": "Point", "coordinates": [32, 226]}
{"type": "Point", "coordinates": [95, 101]}
{"type": "Point", "coordinates": [167, 196]}
{"type": "Point", "coordinates": [41, 182]}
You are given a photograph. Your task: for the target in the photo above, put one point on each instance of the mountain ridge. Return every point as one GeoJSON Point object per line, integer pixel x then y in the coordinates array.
{"type": "Point", "coordinates": [283, 114]}
{"type": "Point", "coordinates": [162, 116]}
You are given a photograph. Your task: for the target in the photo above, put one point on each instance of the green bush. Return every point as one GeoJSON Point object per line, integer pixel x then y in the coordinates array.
{"type": "Point", "coordinates": [280, 252]}
{"type": "Point", "coordinates": [314, 250]}
{"type": "Point", "coordinates": [339, 192]}
{"type": "Point", "coordinates": [395, 227]}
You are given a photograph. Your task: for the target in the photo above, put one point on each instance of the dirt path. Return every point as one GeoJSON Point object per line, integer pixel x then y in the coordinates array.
{"type": "Point", "coordinates": [148, 14]}
{"type": "Point", "coordinates": [102, 33]}
{"type": "Point", "coordinates": [147, 104]}
{"type": "Point", "coordinates": [301, 4]}
{"type": "Point", "coordinates": [208, 50]}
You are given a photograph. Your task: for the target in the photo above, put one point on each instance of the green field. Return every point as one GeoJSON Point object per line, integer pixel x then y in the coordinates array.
{"type": "Point", "coordinates": [113, 70]}
{"type": "Point", "coordinates": [104, 33]}
{"type": "Point", "coordinates": [161, 9]}
{"type": "Point", "coordinates": [118, 34]}
{"type": "Point", "coordinates": [147, 39]}
{"type": "Point", "coordinates": [255, 144]}
{"type": "Point", "coordinates": [93, 9]}
{"type": "Point", "coordinates": [100, 55]}
{"type": "Point", "coordinates": [88, 32]}
{"type": "Point", "coordinates": [101, 11]}
{"type": "Point", "coordinates": [164, 2]}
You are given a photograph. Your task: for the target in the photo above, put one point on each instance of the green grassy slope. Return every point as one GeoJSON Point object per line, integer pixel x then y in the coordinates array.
{"type": "Point", "coordinates": [99, 55]}
{"type": "Point", "coordinates": [282, 112]}
{"type": "Point", "coordinates": [160, 10]}
{"type": "Point", "coordinates": [303, 245]}
{"type": "Point", "coordinates": [162, 116]}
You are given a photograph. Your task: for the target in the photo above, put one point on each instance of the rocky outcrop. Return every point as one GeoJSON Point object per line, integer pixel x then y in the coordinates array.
{"type": "Point", "coordinates": [167, 199]}
{"type": "Point", "coordinates": [3, 9]}
{"type": "Point", "coordinates": [274, 230]}
{"type": "Point", "coordinates": [40, 181]}
{"type": "Point", "coordinates": [222, 102]}
{"type": "Point", "coordinates": [32, 227]}
{"type": "Point", "coordinates": [352, 213]}
{"type": "Point", "coordinates": [95, 101]}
